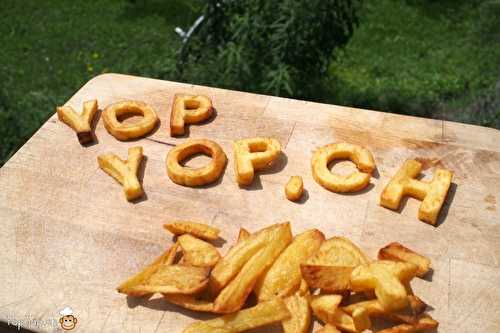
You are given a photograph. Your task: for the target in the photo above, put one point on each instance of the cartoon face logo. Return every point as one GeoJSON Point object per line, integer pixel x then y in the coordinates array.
{"type": "Point", "coordinates": [68, 320]}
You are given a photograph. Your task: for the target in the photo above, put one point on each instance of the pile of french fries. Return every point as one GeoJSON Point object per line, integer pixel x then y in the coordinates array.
{"type": "Point", "coordinates": [271, 277]}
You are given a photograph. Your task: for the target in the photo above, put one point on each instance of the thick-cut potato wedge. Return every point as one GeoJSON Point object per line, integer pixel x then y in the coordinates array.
{"type": "Point", "coordinates": [199, 230]}
{"type": "Point", "coordinates": [128, 287]}
{"type": "Point", "coordinates": [124, 172]}
{"type": "Point", "coordinates": [176, 279]}
{"type": "Point", "coordinates": [253, 154]}
{"type": "Point", "coordinates": [375, 309]}
{"type": "Point", "coordinates": [328, 328]}
{"type": "Point", "coordinates": [192, 177]}
{"type": "Point", "coordinates": [303, 288]}
{"type": "Point", "coordinates": [284, 277]}
{"type": "Point", "coordinates": [227, 268]}
{"type": "Point", "coordinates": [426, 322]}
{"type": "Point", "coordinates": [300, 312]}
{"type": "Point", "coordinates": [386, 278]}
{"type": "Point", "coordinates": [356, 181]}
{"type": "Point", "coordinates": [262, 314]}
{"type": "Point", "coordinates": [328, 278]}
{"type": "Point", "coordinates": [233, 296]}
{"type": "Point", "coordinates": [398, 252]}
{"type": "Point", "coordinates": [326, 308]}
{"type": "Point", "coordinates": [294, 188]}
{"type": "Point", "coordinates": [243, 234]}
{"type": "Point", "coordinates": [431, 193]}
{"type": "Point", "coordinates": [361, 319]}
{"type": "Point", "coordinates": [122, 131]}
{"type": "Point", "coordinates": [189, 109]}
{"type": "Point", "coordinates": [197, 252]}
{"type": "Point", "coordinates": [80, 123]}
{"type": "Point", "coordinates": [338, 251]}
{"type": "Point", "coordinates": [190, 302]}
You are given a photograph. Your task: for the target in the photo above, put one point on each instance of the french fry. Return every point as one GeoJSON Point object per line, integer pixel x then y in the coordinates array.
{"type": "Point", "coordinates": [356, 181]}
{"type": "Point", "coordinates": [123, 131]}
{"type": "Point", "coordinates": [262, 314]}
{"type": "Point", "coordinates": [199, 230]}
{"type": "Point", "coordinates": [124, 172]}
{"type": "Point", "coordinates": [386, 278]}
{"type": "Point", "coordinates": [175, 279]}
{"type": "Point", "coordinates": [426, 322]}
{"type": "Point", "coordinates": [431, 193]}
{"type": "Point", "coordinates": [229, 266]}
{"type": "Point", "coordinates": [303, 288]}
{"type": "Point", "coordinates": [243, 234]}
{"type": "Point", "coordinates": [338, 251]}
{"type": "Point", "coordinates": [80, 123]}
{"type": "Point", "coordinates": [195, 176]}
{"type": "Point", "coordinates": [233, 296]}
{"type": "Point", "coordinates": [361, 319]}
{"type": "Point", "coordinates": [253, 154]}
{"type": "Point", "coordinates": [197, 252]}
{"type": "Point", "coordinates": [396, 251]}
{"type": "Point", "coordinates": [328, 329]}
{"type": "Point", "coordinates": [190, 302]}
{"type": "Point", "coordinates": [294, 188]}
{"type": "Point", "coordinates": [284, 276]}
{"type": "Point", "coordinates": [128, 287]}
{"type": "Point", "coordinates": [326, 308]}
{"type": "Point", "coordinates": [375, 309]}
{"type": "Point", "coordinates": [328, 278]}
{"type": "Point", "coordinates": [189, 109]}
{"type": "Point", "coordinates": [300, 312]}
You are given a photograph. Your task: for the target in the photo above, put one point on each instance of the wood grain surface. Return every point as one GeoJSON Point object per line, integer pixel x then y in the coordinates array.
{"type": "Point", "coordinates": [69, 237]}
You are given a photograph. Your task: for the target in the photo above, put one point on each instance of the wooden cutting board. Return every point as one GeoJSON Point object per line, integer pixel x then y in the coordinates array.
{"type": "Point", "coordinates": [69, 237]}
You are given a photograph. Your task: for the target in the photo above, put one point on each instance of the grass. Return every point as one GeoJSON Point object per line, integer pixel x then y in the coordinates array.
{"type": "Point", "coordinates": [48, 51]}
{"type": "Point", "coordinates": [422, 57]}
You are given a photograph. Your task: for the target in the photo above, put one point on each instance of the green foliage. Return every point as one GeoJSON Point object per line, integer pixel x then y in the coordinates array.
{"type": "Point", "coordinates": [277, 47]}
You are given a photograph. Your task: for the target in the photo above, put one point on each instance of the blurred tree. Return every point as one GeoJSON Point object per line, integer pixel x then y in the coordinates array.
{"type": "Point", "coordinates": [277, 47]}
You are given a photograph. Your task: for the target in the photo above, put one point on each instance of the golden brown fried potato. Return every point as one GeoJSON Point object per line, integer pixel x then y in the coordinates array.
{"type": "Point", "coordinates": [338, 251]}
{"type": "Point", "coordinates": [190, 302]}
{"type": "Point", "coordinates": [375, 309]}
{"type": "Point", "coordinates": [398, 252]}
{"type": "Point", "coordinates": [199, 230]}
{"type": "Point", "coordinates": [253, 154]}
{"type": "Point", "coordinates": [294, 188]}
{"type": "Point", "coordinates": [387, 279]}
{"type": "Point", "coordinates": [328, 329]}
{"type": "Point", "coordinates": [300, 318]}
{"type": "Point", "coordinates": [128, 287]}
{"type": "Point", "coordinates": [197, 252]}
{"type": "Point", "coordinates": [243, 234]}
{"type": "Point", "coordinates": [125, 172]}
{"type": "Point", "coordinates": [121, 131]}
{"type": "Point", "coordinates": [431, 193]}
{"type": "Point", "coordinates": [233, 296]}
{"type": "Point", "coordinates": [284, 277]}
{"type": "Point", "coordinates": [262, 314]}
{"type": "Point", "coordinates": [196, 176]}
{"type": "Point", "coordinates": [176, 279]}
{"type": "Point", "coordinates": [326, 308]}
{"type": "Point", "coordinates": [189, 109]}
{"type": "Point", "coordinates": [303, 288]}
{"type": "Point", "coordinates": [229, 266]}
{"type": "Point", "coordinates": [328, 278]}
{"type": "Point", "coordinates": [361, 319]}
{"type": "Point", "coordinates": [426, 322]}
{"type": "Point", "coordinates": [355, 181]}
{"type": "Point", "coordinates": [80, 123]}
